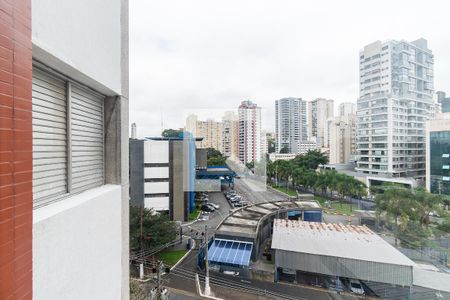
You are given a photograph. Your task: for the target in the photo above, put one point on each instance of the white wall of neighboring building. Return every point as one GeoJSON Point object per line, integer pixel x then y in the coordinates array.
{"type": "Point", "coordinates": [156, 151]}
{"type": "Point", "coordinates": [80, 244]}
{"type": "Point", "coordinates": [81, 39]}
{"type": "Point", "coordinates": [156, 187]}
{"type": "Point", "coordinates": [157, 203]}
{"type": "Point", "coordinates": [76, 247]}
{"type": "Point", "coordinates": [156, 172]}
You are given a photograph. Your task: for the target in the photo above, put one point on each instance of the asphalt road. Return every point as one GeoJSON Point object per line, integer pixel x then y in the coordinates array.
{"type": "Point", "coordinates": [256, 195]}
{"type": "Point", "coordinates": [229, 287]}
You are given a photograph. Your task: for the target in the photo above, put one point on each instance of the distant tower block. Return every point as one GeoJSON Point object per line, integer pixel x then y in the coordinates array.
{"type": "Point", "coordinates": [133, 131]}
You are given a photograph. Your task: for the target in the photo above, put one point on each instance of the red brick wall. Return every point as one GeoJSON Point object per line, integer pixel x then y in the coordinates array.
{"type": "Point", "coordinates": [16, 208]}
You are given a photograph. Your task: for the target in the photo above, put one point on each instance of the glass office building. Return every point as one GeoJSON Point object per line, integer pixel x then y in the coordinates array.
{"type": "Point", "coordinates": [440, 162]}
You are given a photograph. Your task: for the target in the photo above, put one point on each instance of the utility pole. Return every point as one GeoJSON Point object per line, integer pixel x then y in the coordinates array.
{"type": "Point", "coordinates": [207, 287]}
{"type": "Point", "coordinates": [141, 265]}
{"type": "Point", "coordinates": [158, 281]}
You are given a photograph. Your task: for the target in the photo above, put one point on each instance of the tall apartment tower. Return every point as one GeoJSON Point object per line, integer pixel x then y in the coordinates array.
{"type": "Point", "coordinates": [319, 112]}
{"type": "Point", "coordinates": [249, 132]}
{"type": "Point", "coordinates": [290, 124]}
{"type": "Point", "coordinates": [342, 133]}
{"type": "Point", "coordinates": [443, 101]}
{"type": "Point", "coordinates": [210, 131]}
{"type": "Point", "coordinates": [346, 108]}
{"type": "Point", "coordinates": [396, 99]}
{"type": "Point", "coordinates": [230, 134]}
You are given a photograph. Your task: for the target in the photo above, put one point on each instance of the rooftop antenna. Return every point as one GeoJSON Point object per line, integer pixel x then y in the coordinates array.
{"type": "Point", "coordinates": [133, 131]}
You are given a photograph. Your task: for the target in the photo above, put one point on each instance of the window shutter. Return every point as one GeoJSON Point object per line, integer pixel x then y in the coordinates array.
{"type": "Point", "coordinates": [49, 121]}
{"type": "Point", "coordinates": [86, 139]}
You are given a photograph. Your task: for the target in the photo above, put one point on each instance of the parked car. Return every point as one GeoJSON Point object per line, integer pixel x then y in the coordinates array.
{"type": "Point", "coordinates": [335, 284]}
{"type": "Point", "coordinates": [204, 216]}
{"type": "Point", "coordinates": [356, 287]}
{"type": "Point", "coordinates": [236, 199]}
{"type": "Point", "coordinates": [211, 206]}
{"type": "Point", "coordinates": [240, 204]}
{"type": "Point", "coordinates": [207, 208]}
{"type": "Point", "coordinates": [229, 196]}
{"type": "Point", "coordinates": [233, 273]}
{"type": "Point", "coordinates": [216, 206]}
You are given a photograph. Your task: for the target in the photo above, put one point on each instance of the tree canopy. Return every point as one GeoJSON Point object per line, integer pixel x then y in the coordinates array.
{"type": "Point", "coordinates": [409, 210]}
{"type": "Point", "coordinates": [215, 157]}
{"type": "Point", "coordinates": [156, 228]}
{"type": "Point", "coordinates": [171, 133]}
{"type": "Point", "coordinates": [271, 145]}
{"type": "Point", "coordinates": [301, 171]}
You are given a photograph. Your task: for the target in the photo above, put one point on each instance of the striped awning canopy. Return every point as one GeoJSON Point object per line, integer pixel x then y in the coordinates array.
{"type": "Point", "coordinates": [230, 252]}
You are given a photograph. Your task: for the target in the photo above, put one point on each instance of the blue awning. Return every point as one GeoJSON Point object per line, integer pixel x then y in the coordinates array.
{"type": "Point", "coordinates": [230, 252]}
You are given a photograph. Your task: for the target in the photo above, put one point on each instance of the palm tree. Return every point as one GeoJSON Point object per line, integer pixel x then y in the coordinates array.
{"type": "Point", "coordinates": [396, 202]}
{"type": "Point", "coordinates": [426, 203]}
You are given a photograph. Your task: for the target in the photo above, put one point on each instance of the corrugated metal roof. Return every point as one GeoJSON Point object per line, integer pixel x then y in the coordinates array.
{"type": "Point", "coordinates": [230, 252]}
{"type": "Point", "coordinates": [337, 240]}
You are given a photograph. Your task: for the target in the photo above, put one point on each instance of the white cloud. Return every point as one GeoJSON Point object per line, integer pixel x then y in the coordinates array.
{"type": "Point", "coordinates": [206, 54]}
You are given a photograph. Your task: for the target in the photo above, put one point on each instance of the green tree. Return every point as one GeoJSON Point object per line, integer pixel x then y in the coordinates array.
{"type": "Point", "coordinates": [216, 161]}
{"type": "Point", "coordinates": [427, 203]}
{"type": "Point", "coordinates": [156, 228]}
{"type": "Point", "coordinates": [271, 145]}
{"type": "Point", "coordinates": [171, 133]}
{"type": "Point", "coordinates": [215, 157]}
{"type": "Point", "coordinates": [311, 160]}
{"type": "Point", "coordinates": [397, 203]}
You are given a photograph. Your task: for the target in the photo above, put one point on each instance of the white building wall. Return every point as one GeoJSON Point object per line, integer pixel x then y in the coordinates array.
{"type": "Point", "coordinates": [80, 244]}
{"type": "Point", "coordinates": [81, 39]}
{"type": "Point", "coordinates": [157, 203]}
{"type": "Point", "coordinates": [156, 187]}
{"type": "Point", "coordinates": [77, 247]}
{"type": "Point", "coordinates": [156, 172]}
{"type": "Point", "coordinates": [156, 151]}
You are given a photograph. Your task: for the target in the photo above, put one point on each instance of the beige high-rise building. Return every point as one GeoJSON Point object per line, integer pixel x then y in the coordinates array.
{"type": "Point", "coordinates": [209, 130]}
{"type": "Point", "coordinates": [319, 112]}
{"type": "Point", "coordinates": [342, 133]}
{"type": "Point", "coordinates": [346, 108]}
{"type": "Point", "coordinates": [230, 134]}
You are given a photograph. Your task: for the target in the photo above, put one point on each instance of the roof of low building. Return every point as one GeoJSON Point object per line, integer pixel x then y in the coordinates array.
{"type": "Point", "coordinates": [245, 221]}
{"type": "Point", "coordinates": [336, 240]}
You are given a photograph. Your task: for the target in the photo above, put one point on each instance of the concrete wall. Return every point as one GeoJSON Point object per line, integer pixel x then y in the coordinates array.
{"type": "Point", "coordinates": [80, 246]}
{"type": "Point", "coordinates": [137, 172]}
{"type": "Point", "coordinates": [76, 249]}
{"type": "Point", "coordinates": [177, 197]}
{"type": "Point", "coordinates": [81, 38]}
{"type": "Point", "coordinates": [201, 158]}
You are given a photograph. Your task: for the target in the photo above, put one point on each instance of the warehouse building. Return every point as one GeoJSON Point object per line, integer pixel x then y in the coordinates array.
{"type": "Point", "coordinates": [337, 250]}
{"type": "Point", "coordinates": [254, 223]}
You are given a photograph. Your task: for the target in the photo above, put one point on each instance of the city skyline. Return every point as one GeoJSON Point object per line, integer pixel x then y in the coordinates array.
{"type": "Point", "coordinates": [230, 59]}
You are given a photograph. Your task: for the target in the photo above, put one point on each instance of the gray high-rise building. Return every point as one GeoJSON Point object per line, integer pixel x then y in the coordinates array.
{"type": "Point", "coordinates": [443, 101]}
{"type": "Point", "coordinates": [396, 99]}
{"type": "Point", "coordinates": [290, 124]}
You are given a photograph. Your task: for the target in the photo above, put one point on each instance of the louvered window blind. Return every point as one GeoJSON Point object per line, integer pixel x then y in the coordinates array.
{"type": "Point", "coordinates": [68, 138]}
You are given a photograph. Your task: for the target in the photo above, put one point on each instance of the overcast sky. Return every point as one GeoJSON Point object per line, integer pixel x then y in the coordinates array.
{"type": "Point", "coordinates": [194, 55]}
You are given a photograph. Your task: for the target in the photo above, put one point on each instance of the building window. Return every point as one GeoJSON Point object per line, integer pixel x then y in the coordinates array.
{"type": "Point", "coordinates": [68, 137]}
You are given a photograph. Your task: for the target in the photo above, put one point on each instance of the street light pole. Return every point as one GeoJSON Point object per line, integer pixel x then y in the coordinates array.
{"type": "Point", "coordinates": [207, 287]}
